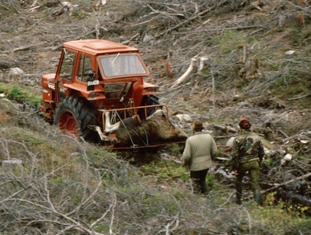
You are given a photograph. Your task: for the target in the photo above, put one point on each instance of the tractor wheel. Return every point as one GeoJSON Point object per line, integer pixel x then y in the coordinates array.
{"type": "Point", "coordinates": [150, 100]}
{"type": "Point", "coordinates": [74, 115]}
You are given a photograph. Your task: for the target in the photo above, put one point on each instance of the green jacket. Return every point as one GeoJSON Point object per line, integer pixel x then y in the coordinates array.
{"type": "Point", "coordinates": [199, 151]}
{"type": "Point", "coordinates": [246, 147]}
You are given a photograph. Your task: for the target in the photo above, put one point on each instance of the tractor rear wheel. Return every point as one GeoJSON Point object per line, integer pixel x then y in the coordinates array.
{"type": "Point", "coordinates": [74, 115]}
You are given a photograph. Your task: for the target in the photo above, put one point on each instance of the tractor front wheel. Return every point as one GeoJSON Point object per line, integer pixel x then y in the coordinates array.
{"type": "Point", "coordinates": [149, 100]}
{"type": "Point", "coordinates": [74, 115]}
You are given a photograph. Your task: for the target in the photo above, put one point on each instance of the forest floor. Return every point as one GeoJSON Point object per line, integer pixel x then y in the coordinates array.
{"type": "Point", "coordinates": [257, 65]}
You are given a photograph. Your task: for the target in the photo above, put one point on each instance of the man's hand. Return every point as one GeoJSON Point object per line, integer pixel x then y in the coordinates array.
{"type": "Point", "coordinates": [234, 172]}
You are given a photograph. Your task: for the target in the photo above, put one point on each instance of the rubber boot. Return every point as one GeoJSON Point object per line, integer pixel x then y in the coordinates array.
{"type": "Point", "coordinates": [196, 186]}
{"type": "Point", "coordinates": [257, 196]}
{"type": "Point", "coordinates": [239, 195]}
{"type": "Point", "coordinates": [205, 189]}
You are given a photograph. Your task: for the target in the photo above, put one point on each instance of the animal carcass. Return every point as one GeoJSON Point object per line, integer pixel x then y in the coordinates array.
{"type": "Point", "coordinates": [156, 130]}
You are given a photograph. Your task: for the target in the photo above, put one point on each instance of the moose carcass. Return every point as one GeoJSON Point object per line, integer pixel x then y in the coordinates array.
{"type": "Point", "coordinates": [131, 133]}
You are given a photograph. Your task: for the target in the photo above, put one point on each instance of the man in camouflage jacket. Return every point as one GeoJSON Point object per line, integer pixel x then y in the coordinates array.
{"type": "Point", "coordinates": [247, 154]}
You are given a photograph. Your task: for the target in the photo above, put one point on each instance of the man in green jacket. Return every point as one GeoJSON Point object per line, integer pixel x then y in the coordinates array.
{"type": "Point", "coordinates": [247, 154]}
{"type": "Point", "coordinates": [197, 157]}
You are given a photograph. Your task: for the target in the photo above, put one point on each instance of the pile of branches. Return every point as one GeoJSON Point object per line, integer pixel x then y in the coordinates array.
{"type": "Point", "coordinates": [53, 184]}
{"type": "Point", "coordinates": [287, 164]}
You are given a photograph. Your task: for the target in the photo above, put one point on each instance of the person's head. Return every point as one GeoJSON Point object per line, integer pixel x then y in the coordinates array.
{"type": "Point", "coordinates": [197, 126]}
{"type": "Point", "coordinates": [244, 124]}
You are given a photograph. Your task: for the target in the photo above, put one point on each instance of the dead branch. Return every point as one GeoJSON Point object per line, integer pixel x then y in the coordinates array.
{"type": "Point", "coordinates": [131, 39]}
{"type": "Point", "coordinates": [167, 230]}
{"type": "Point", "coordinates": [27, 47]}
{"type": "Point", "coordinates": [256, 5]}
{"type": "Point", "coordinates": [283, 133]}
{"type": "Point", "coordinates": [182, 23]}
{"type": "Point", "coordinates": [193, 63]}
{"type": "Point", "coordinates": [304, 9]}
{"type": "Point", "coordinates": [100, 3]}
{"type": "Point", "coordinates": [163, 13]}
{"type": "Point", "coordinates": [287, 182]}
{"type": "Point", "coordinates": [300, 97]}
{"type": "Point", "coordinates": [294, 197]}
{"type": "Point", "coordinates": [76, 224]}
{"type": "Point", "coordinates": [202, 62]}
{"type": "Point", "coordinates": [224, 128]}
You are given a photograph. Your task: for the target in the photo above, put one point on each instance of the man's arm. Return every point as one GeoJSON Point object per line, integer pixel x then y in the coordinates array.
{"type": "Point", "coordinates": [185, 158]}
{"type": "Point", "coordinates": [214, 150]}
{"type": "Point", "coordinates": [261, 152]}
{"type": "Point", "coordinates": [235, 156]}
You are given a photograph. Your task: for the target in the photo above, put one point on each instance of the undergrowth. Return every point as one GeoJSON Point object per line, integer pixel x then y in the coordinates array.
{"type": "Point", "coordinates": [20, 95]}
{"type": "Point", "coordinates": [110, 194]}
{"type": "Point", "coordinates": [157, 191]}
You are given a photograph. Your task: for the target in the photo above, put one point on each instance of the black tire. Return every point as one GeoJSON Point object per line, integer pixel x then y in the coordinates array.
{"type": "Point", "coordinates": [150, 100]}
{"type": "Point", "coordinates": [74, 115]}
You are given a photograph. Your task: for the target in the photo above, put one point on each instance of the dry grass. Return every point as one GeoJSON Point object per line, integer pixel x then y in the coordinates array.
{"type": "Point", "coordinates": [75, 188]}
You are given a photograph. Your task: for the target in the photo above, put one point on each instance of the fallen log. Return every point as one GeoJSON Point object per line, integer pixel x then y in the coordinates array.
{"type": "Point", "coordinates": [225, 128]}
{"type": "Point", "coordinates": [193, 63]}
{"type": "Point", "coordinates": [286, 183]}
{"type": "Point", "coordinates": [198, 63]}
{"type": "Point", "coordinates": [294, 197]}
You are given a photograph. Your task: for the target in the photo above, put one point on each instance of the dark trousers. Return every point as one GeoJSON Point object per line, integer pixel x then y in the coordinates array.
{"type": "Point", "coordinates": [199, 181]}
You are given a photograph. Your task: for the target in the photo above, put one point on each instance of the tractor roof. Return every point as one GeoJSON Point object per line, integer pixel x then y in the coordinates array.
{"type": "Point", "coordinates": [98, 46]}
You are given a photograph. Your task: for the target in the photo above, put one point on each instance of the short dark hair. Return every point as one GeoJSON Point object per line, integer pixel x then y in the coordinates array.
{"type": "Point", "coordinates": [197, 125]}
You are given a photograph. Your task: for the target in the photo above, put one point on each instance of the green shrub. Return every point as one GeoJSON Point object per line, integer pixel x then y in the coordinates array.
{"type": "Point", "coordinates": [165, 169]}
{"type": "Point", "coordinates": [21, 94]}
{"type": "Point", "coordinates": [16, 94]}
{"type": "Point", "coordinates": [303, 227]}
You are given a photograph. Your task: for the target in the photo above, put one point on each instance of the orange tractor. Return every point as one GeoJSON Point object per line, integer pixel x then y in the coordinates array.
{"type": "Point", "coordinates": [98, 85]}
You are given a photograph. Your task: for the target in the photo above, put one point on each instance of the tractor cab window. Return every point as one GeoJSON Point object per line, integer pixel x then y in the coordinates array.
{"type": "Point", "coordinates": [122, 65]}
{"type": "Point", "coordinates": [67, 65]}
{"type": "Point", "coordinates": [85, 73]}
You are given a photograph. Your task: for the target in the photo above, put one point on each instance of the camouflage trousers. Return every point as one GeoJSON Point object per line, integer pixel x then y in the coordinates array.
{"type": "Point", "coordinates": [253, 168]}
